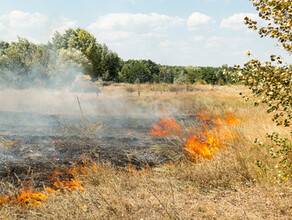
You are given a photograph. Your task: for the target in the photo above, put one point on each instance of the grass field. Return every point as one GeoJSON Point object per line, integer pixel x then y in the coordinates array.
{"type": "Point", "coordinates": [229, 186]}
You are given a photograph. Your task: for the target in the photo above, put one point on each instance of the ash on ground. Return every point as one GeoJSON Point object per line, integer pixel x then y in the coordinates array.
{"type": "Point", "coordinates": [34, 142]}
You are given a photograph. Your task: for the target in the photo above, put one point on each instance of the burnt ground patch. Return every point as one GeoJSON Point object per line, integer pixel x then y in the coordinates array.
{"type": "Point", "coordinates": [32, 145]}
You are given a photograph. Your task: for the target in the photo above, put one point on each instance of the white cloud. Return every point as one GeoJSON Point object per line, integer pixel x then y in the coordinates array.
{"type": "Point", "coordinates": [171, 48]}
{"type": "Point", "coordinates": [132, 45]}
{"type": "Point", "coordinates": [1, 27]}
{"type": "Point", "coordinates": [63, 24]}
{"type": "Point", "coordinates": [236, 21]}
{"type": "Point", "coordinates": [113, 35]}
{"type": "Point", "coordinates": [135, 22]}
{"type": "Point", "coordinates": [20, 19]}
{"type": "Point", "coordinates": [197, 19]}
{"type": "Point", "coordinates": [169, 44]}
{"type": "Point", "coordinates": [126, 36]}
{"type": "Point", "coordinates": [33, 26]}
{"type": "Point", "coordinates": [133, 1]}
{"type": "Point", "coordinates": [198, 38]}
{"type": "Point", "coordinates": [127, 33]}
{"type": "Point", "coordinates": [213, 42]}
{"type": "Point", "coordinates": [241, 53]}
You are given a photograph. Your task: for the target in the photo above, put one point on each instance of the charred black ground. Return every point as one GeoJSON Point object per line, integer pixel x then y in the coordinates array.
{"type": "Point", "coordinates": [34, 144]}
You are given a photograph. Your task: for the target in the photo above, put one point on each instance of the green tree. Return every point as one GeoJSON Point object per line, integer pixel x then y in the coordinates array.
{"type": "Point", "coordinates": [23, 62]}
{"type": "Point", "coordinates": [134, 69]}
{"type": "Point", "coordinates": [194, 74]}
{"type": "Point", "coordinates": [110, 65]}
{"type": "Point", "coordinates": [166, 74]}
{"type": "Point", "coordinates": [152, 66]}
{"type": "Point", "coordinates": [105, 63]}
{"type": "Point", "coordinates": [74, 56]}
{"type": "Point", "coordinates": [181, 78]}
{"type": "Point", "coordinates": [85, 42]}
{"type": "Point", "coordinates": [62, 41]}
{"type": "Point", "coordinates": [271, 81]}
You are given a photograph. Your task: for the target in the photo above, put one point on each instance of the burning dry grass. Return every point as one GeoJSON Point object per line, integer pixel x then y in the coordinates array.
{"type": "Point", "coordinates": [183, 191]}
{"type": "Point", "coordinates": [199, 143]}
{"type": "Point", "coordinates": [165, 126]}
{"type": "Point", "coordinates": [229, 186]}
{"type": "Point", "coordinates": [61, 181]}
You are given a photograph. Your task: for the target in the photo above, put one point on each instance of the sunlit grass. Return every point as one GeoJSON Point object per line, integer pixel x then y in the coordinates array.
{"type": "Point", "coordinates": [229, 186]}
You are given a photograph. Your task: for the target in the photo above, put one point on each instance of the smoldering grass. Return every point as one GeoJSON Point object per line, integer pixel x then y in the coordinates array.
{"type": "Point", "coordinates": [171, 151]}
{"type": "Point", "coordinates": [7, 144]}
{"type": "Point", "coordinates": [229, 186]}
{"type": "Point", "coordinates": [79, 128]}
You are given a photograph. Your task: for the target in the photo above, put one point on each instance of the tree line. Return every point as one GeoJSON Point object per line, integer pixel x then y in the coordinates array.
{"type": "Point", "coordinates": [76, 50]}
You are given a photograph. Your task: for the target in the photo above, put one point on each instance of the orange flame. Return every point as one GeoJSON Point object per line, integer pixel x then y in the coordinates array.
{"type": "Point", "coordinates": [134, 172]}
{"type": "Point", "coordinates": [67, 181]}
{"type": "Point", "coordinates": [25, 198]}
{"type": "Point", "coordinates": [62, 181]}
{"type": "Point", "coordinates": [213, 135]}
{"type": "Point", "coordinates": [165, 126]}
{"type": "Point", "coordinates": [201, 144]}
{"type": "Point", "coordinates": [30, 198]}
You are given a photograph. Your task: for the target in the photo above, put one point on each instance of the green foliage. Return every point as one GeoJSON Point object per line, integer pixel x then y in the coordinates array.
{"type": "Point", "coordinates": [110, 64]}
{"type": "Point", "coordinates": [176, 74]}
{"type": "Point", "coordinates": [278, 13]}
{"type": "Point", "coordinates": [210, 75]}
{"type": "Point", "coordinates": [137, 81]}
{"type": "Point", "coordinates": [25, 64]}
{"type": "Point", "coordinates": [135, 69]}
{"type": "Point", "coordinates": [201, 82]}
{"type": "Point", "coordinates": [152, 66]}
{"type": "Point", "coordinates": [220, 82]}
{"type": "Point", "coordinates": [86, 43]}
{"type": "Point", "coordinates": [173, 88]}
{"type": "Point", "coordinates": [23, 56]}
{"type": "Point", "coordinates": [279, 150]}
{"type": "Point", "coordinates": [120, 78]}
{"type": "Point", "coordinates": [194, 74]}
{"type": "Point", "coordinates": [130, 89]}
{"type": "Point", "coordinates": [272, 85]}
{"type": "Point", "coordinates": [67, 64]}
{"type": "Point", "coordinates": [21, 61]}
{"type": "Point", "coordinates": [271, 81]}
{"type": "Point", "coordinates": [105, 63]}
{"type": "Point", "coordinates": [182, 77]}
{"type": "Point", "coordinates": [76, 50]}
{"type": "Point", "coordinates": [148, 71]}
{"type": "Point", "coordinates": [75, 57]}
{"type": "Point", "coordinates": [166, 74]}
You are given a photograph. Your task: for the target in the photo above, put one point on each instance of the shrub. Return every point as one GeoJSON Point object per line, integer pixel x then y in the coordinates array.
{"type": "Point", "coordinates": [172, 88]}
{"type": "Point", "coordinates": [201, 82]}
{"type": "Point", "coordinates": [130, 89]}
{"type": "Point", "coordinates": [220, 82]}
{"type": "Point", "coordinates": [279, 150]}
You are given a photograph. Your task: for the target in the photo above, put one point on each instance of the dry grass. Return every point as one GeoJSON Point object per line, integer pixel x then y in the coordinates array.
{"type": "Point", "coordinates": [230, 186]}
{"type": "Point", "coordinates": [207, 191]}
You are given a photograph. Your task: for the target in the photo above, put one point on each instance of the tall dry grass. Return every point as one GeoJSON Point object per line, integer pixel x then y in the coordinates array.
{"type": "Point", "coordinates": [229, 186]}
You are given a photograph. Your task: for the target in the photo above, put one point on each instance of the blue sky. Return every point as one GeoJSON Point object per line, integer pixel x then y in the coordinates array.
{"type": "Point", "coordinates": [172, 32]}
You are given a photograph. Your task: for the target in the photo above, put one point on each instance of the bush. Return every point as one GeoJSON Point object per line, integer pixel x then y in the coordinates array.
{"type": "Point", "coordinates": [201, 82]}
{"type": "Point", "coordinates": [130, 89]}
{"type": "Point", "coordinates": [172, 88]}
{"type": "Point", "coordinates": [220, 82]}
{"type": "Point", "coordinates": [189, 88]}
{"type": "Point", "coordinates": [279, 150]}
